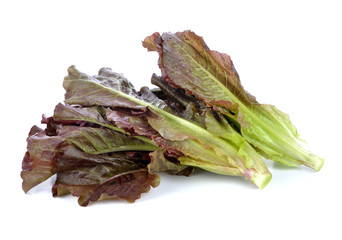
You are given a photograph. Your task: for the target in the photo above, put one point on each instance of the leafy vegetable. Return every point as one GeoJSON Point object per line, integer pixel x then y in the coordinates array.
{"type": "Point", "coordinates": [90, 162]}
{"type": "Point", "coordinates": [97, 177]}
{"type": "Point", "coordinates": [188, 63]}
{"type": "Point", "coordinates": [109, 141]}
{"type": "Point", "coordinates": [151, 117]}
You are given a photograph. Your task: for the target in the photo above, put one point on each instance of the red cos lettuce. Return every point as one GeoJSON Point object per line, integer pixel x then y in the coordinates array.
{"type": "Point", "coordinates": [109, 141]}
{"type": "Point", "coordinates": [187, 62]}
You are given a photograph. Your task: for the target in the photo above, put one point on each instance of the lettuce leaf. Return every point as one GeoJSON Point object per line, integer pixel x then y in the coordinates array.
{"type": "Point", "coordinates": [161, 162]}
{"type": "Point", "coordinates": [172, 133]}
{"type": "Point", "coordinates": [127, 186]}
{"type": "Point", "coordinates": [39, 162]}
{"type": "Point", "coordinates": [91, 162]}
{"type": "Point", "coordinates": [96, 177]}
{"type": "Point", "coordinates": [188, 63]}
{"type": "Point", "coordinates": [194, 110]}
{"type": "Point", "coordinates": [67, 114]}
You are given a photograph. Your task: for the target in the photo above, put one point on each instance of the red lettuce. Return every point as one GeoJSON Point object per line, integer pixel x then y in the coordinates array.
{"type": "Point", "coordinates": [146, 115]}
{"type": "Point", "coordinates": [110, 141]}
{"type": "Point", "coordinates": [187, 62]}
{"type": "Point", "coordinates": [91, 162]}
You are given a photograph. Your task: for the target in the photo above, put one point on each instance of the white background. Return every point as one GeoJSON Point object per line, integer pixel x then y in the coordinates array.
{"type": "Point", "coordinates": [288, 53]}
